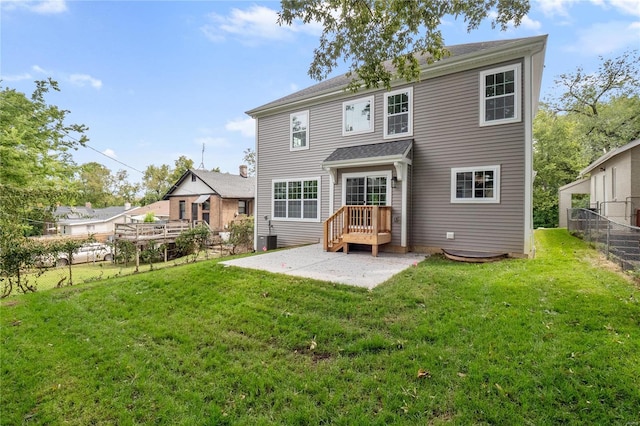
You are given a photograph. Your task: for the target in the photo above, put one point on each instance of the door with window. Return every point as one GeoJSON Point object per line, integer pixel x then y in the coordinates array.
{"type": "Point", "coordinates": [194, 212]}
{"type": "Point", "coordinates": [365, 190]}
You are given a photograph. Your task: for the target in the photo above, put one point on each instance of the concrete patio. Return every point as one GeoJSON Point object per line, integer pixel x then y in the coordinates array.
{"type": "Point", "coordinates": [359, 269]}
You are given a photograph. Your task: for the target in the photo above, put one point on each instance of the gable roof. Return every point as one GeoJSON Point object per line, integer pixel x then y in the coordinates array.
{"type": "Point", "coordinates": [461, 56]}
{"type": "Point", "coordinates": [361, 152]}
{"type": "Point", "coordinates": [224, 184]}
{"type": "Point", "coordinates": [159, 209]}
{"type": "Point", "coordinates": [69, 215]}
{"type": "Point", "coordinates": [609, 155]}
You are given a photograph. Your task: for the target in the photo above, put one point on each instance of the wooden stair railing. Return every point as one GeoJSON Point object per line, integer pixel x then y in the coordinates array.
{"type": "Point", "coordinates": [370, 225]}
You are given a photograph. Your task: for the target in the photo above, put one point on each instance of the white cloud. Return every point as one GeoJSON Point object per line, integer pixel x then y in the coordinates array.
{"type": "Point", "coordinates": [530, 24]}
{"type": "Point", "coordinates": [19, 77]}
{"type": "Point", "coordinates": [213, 142]}
{"type": "Point", "coordinates": [84, 79]}
{"type": "Point", "coordinates": [110, 153]}
{"type": "Point", "coordinates": [604, 38]}
{"type": "Point", "coordinates": [50, 6]}
{"type": "Point", "coordinates": [43, 7]}
{"type": "Point", "coordinates": [627, 7]}
{"type": "Point", "coordinates": [555, 8]}
{"type": "Point", "coordinates": [246, 126]}
{"type": "Point", "coordinates": [254, 25]}
{"type": "Point", "coordinates": [40, 70]}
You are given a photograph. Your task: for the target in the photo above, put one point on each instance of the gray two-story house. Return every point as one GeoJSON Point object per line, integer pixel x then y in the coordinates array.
{"type": "Point", "coordinates": [440, 163]}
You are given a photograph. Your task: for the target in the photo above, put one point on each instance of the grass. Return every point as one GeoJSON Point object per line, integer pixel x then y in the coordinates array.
{"type": "Point", "coordinates": [47, 279]}
{"type": "Point", "coordinates": [554, 340]}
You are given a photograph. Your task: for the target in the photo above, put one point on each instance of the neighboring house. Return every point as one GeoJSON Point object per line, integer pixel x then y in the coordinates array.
{"type": "Point", "coordinates": [443, 162]}
{"type": "Point", "coordinates": [84, 221]}
{"type": "Point", "coordinates": [614, 185]}
{"type": "Point", "coordinates": [160, 210]}
{"type": "Point", "coordinates": [568, 196]}
{"type": "Point", "coordinates": [211, 197]}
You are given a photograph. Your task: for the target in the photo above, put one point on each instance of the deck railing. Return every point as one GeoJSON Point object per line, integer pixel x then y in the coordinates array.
{"type": "Point", "coordinates": [146, 231]}
{"type": "Point", "coordinates": [364, 220]}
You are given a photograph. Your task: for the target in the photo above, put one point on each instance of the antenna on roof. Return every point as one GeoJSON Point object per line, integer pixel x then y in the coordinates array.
{"type": "Point", "coordinates": [201, 166]}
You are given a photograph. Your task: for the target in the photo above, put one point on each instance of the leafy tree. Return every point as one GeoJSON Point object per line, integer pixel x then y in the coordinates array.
{"type": "Point", "coordinates": [181, 165]}
{"type": "Point", "coordinates": [153, 252]}
{"type": "Point", "coordinates": [369, 32]}
{"type": "Point", "coordinates": [193, 241]}
{"type": "Point", "coordinates": [605, 104]}
{"type": "Point", "coordinates": [593, 113]}
{"type": "Point", "coordinates": [69, 248]}
{"type": "Point", "coordinates": [156, 181]}
{"type": "Point", "coordinates": [124, 251]}
{"type": "Point", "coordinates": [36, 173]}
{"type": "Point", "coordinates": [35, 151]}
{"type": "Point", "coordinates": [250, 160]}
{"type": "Point", "coordinates": [124, 190]}
{"type": "Point", "coordinates": [95, 183]}
{"type": "Point", "coordinates": [150, 217]}
{"type": "Point", "coordinates": [558, 158]}
{"type": "Point", "coordinates": [15, 261]}
{"type": "Point", "coordinates": [241, 234]}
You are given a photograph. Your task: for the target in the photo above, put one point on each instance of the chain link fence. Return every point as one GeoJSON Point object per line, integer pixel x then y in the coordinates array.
{"type": "Point", "coordinates": [619, 242]}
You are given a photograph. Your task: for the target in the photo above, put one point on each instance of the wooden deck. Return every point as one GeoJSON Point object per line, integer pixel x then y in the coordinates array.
{"type": "Point", "coordinates": [369, 225]}
{"type": "Point", "coordinates": [142, 233]}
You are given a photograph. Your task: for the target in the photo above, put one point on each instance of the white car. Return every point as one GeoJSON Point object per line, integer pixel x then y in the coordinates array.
{"type": "Point", "coordinates": [91, 252]}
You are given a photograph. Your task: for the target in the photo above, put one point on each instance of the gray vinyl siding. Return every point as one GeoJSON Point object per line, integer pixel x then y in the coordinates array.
{"type": "Point", "coordinates": [446, 134]}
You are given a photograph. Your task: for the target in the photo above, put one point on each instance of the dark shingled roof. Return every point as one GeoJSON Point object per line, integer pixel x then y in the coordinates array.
{"type": "Point", "coordinates": [382, 149]}
{"type": "Point", "coordinates": [341, 81]}
{"type": "Point", "coordinates": [228, 185]}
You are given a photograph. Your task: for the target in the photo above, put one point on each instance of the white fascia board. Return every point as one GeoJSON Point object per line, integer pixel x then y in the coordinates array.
{"type": "Point", "coordinates": [375, 161]}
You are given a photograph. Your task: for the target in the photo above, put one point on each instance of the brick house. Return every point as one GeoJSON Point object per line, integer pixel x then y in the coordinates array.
{"type": "Point", "coordinates": [211, 197]}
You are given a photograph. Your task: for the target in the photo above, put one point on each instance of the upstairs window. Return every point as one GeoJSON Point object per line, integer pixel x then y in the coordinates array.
{"type": "Point", "coordinates": [475, 184]}
{"type": "Point", "coordinates": [398, 113]}
{"type": "Point", "coordinates": [500, 95]}
{"type": "Point", "coordinates": [357, 116]}
{"type": "Point", "coordinates": [299, 130]}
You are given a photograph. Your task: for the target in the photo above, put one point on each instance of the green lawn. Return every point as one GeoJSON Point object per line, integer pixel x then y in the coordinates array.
{"type": "Point", "coordinates": [554, 340]}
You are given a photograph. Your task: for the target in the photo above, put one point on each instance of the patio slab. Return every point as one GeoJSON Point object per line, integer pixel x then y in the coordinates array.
{"type": "Point", "coordinates": [359, 269]}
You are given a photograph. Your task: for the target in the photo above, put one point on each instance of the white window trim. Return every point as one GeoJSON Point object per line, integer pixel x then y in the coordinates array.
{"type": "Point", "coordinates": [306, 146]}
{"type": "Point", "coordinates": [496, 185]}
{"type": "Point", "coordinates": [371, 128]}
{"type": "Point", "coordinates": [516, 102]}
{"type": "Point", "coordinates": [382, 173]}
{"type": "Point", "coordinates": [409, 91]}
{"type": "Point", "coordinates": [297, 219]}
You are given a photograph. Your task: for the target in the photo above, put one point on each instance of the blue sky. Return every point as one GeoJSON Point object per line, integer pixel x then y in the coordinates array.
{"type": "Point", "coordinates": [154, 80]}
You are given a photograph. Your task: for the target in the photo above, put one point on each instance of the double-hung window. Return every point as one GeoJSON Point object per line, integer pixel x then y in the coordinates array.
{"type": "Point", "coordinates": [295, 199]}
{"type": "Point", "coordinates": [500, 95]}
{"type": "Point", "coordinates": [357, 116]}
{"type": "Point", "coordinates": [299, 131]}
{"type": "Point", "coordinates": [475, 184]}
{"type": "Point", "coordinates": [398, 113]}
